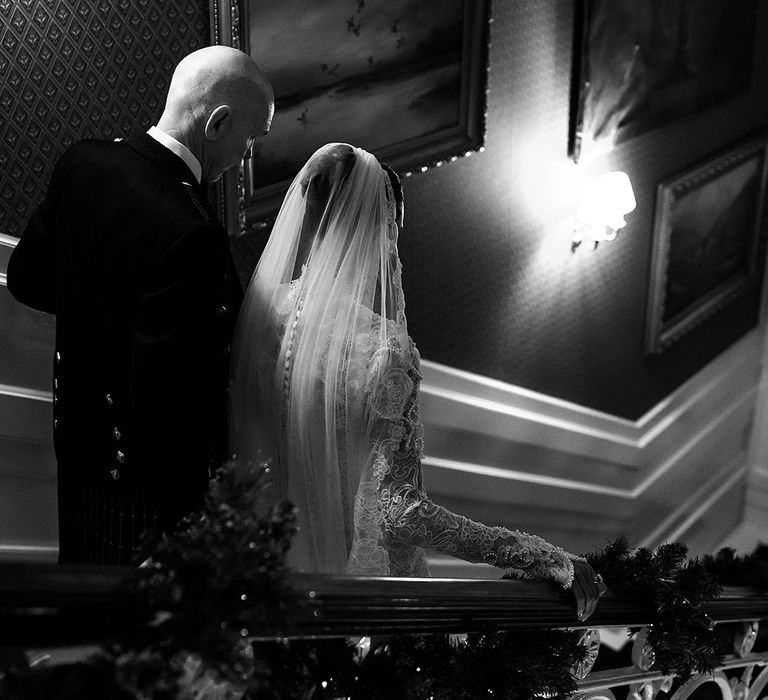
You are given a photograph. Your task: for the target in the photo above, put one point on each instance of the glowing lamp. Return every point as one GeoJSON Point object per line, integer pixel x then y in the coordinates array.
{"type": "Point", "coordinates": [602, 209]}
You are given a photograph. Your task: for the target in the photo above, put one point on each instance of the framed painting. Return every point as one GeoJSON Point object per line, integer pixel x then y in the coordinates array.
{"type": "Point", "coordinates": [640, 65]}
{"type": "Point", "coordinates": [706, 240]}
{"type": "Point", "coordinates": [404, 80]}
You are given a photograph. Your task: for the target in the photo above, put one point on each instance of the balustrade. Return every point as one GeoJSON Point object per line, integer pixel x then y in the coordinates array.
{"type": "Point", "coordinates": [47, 605]}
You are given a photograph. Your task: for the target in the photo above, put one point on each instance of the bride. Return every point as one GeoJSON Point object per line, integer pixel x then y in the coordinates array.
{"type": "Point", "coordinates": [326, 384]}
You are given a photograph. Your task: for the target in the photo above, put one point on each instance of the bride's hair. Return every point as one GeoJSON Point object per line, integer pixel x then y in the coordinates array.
{"type": "Point", "coordinates": [326, 169]}
{"type": "Point", "coordinates": [331, 167]}
{"type": "Point", "coordinates": [321, 179]}
{"type": "Point", "coordinates": [324, 178]}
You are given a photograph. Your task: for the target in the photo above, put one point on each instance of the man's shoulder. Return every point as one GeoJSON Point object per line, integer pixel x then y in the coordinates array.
{"type": "Point", "coordinates": [99, 144]}
{"type": "Point", "coordinates": [117, 170]}
{"type": "Point", "coordinates": [93, 149]}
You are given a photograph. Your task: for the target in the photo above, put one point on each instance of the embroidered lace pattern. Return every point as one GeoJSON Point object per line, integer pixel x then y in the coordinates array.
{"type": "Point", "coordinates": [394, 518]}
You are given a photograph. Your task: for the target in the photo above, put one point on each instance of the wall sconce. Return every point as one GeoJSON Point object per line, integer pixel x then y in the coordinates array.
{"type": "Point", "coordinates": [601, 212]}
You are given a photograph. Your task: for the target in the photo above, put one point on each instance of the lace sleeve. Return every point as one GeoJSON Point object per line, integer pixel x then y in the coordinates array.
{"type": "Point", "coordinates": [411, 519]}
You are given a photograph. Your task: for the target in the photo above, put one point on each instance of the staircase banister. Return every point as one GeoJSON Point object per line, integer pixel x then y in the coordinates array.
{"type": "Point", "coordinates": [51, 604]}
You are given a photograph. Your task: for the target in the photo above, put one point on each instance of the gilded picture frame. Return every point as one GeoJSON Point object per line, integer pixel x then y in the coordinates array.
{"type": "Point", "coordinates": [707, 232]}
{"type": "Point", "coordinates": [406, 81]}
{"type": "Point", "coordinates": [638, 66]}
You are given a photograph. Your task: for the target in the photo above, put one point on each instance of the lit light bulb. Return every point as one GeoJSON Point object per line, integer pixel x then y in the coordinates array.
{"type": "Point", "coordinates": [602, 209]}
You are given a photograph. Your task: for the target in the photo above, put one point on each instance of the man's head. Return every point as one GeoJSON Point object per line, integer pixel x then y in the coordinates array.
{"type": "Point", "coordinates": [219, 103]}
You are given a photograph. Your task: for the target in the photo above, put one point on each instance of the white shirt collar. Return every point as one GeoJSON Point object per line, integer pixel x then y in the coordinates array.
{"type": "Point", "coordinates": [179, 149]}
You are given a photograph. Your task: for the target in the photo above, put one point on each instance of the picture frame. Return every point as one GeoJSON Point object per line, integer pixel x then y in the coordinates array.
{"type": "Point", "coordinates": [406, 81]}
{"type": "Point", "coordinates": [638, 66]}
{"type": "Point", "coordinates": [707, 232]}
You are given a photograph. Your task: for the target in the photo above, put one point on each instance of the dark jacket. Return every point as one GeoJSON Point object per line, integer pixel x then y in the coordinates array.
{"type": "Point", "coordinates": [128, 254]}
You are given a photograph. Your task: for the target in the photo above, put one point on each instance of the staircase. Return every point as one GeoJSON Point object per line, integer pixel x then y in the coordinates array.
{"type": "Point", "coordinates": [27, 464]}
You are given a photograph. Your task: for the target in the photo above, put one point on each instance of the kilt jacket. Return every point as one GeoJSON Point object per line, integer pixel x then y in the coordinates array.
{"type": "Point", "coordinates": [126, 251]}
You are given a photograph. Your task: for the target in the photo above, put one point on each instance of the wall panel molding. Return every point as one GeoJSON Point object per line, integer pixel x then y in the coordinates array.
{"type": "Point", "coordinates": [28, 528]}
{"type": "Point", "coordinates": [23, 392]}
{"type": "Point", "coordinates": [698, 504]}
{"type": "Point", "coordinates": [504, 415]}
{"type": "Point", "coordinates": [756, 509]}
{"type": "Point", "coordinates": [7, 244]}
{"type": "Point", "coordinates": [584, 477]}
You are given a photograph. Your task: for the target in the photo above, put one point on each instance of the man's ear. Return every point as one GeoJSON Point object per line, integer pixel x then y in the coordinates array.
{"type": "Point", "coordinates": [216, 121]}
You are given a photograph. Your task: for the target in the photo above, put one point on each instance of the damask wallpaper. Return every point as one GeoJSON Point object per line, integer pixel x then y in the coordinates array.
{"type": "Point", "coordinates": [72, 69]}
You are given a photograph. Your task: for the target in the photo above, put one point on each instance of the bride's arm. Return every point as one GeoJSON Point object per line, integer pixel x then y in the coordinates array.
{"type": "Point", "coordinates": [412, 518]}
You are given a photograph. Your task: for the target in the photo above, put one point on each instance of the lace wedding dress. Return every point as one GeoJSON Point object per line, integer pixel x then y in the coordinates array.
{"type": "Point", "coordinates": [326, 385]}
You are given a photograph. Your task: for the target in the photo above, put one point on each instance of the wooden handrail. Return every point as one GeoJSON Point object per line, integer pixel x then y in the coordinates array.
{"type": "Point", "coordinates": [44, 603]}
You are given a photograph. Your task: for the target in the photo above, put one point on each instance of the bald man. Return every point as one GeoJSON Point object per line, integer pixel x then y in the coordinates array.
{"type": "Point", "coordinates": [130, 257]}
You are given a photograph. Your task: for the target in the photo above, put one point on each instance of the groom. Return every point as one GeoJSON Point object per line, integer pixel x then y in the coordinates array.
{"type": "Point", "coordinates": [126, 251]}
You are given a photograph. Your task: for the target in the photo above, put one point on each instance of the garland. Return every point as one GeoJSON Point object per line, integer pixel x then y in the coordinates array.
{"type": "Point", "coordinates": [683, 638]}
{"type": "Point", "coordinates": [505, 665]}
{"type": "Point", "coordinates": [220, 578]}
{"type": "Point", "coordinates": [729, 569]}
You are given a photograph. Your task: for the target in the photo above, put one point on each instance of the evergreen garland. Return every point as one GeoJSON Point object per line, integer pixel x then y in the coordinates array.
{"type": "Point", "coordinates": [214, 583]}
{"type": "Point", "coordinates": [517, 665]}
{"type": "Point", "coordinates": [220, 579]}
{"type": "Point", "coordinates": [730, 569]}
{"type": "Point", "coordinates": [682, 636]}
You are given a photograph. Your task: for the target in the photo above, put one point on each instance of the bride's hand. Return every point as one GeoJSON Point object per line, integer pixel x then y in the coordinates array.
{"type": "Point", "coordinates": [588, 588]}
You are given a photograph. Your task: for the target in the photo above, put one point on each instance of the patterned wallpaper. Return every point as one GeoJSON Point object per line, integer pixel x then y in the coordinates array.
{"type": "Point", "coordinates": [491, 284]}
{"type": "Point", "coordinates": [72, 69]}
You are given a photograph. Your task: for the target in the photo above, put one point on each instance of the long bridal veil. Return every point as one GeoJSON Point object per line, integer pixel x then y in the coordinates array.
{"type": "Point", "coordinates": [312, 372]}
